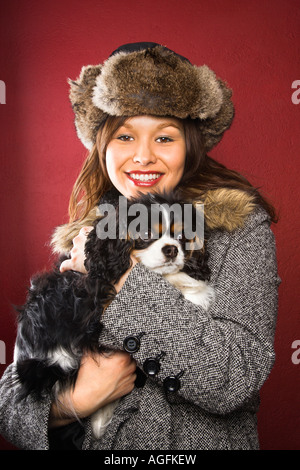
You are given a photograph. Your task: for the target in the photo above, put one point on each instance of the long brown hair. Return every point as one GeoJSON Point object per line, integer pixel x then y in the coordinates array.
{"type": "Point", "coordinates": [201, 172]}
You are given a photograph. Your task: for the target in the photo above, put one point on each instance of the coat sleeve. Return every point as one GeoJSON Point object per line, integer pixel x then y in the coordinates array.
{"type": "Point", "coordinates": [226, 353]}
{"type": "Point", "coordinates": [23, 423]}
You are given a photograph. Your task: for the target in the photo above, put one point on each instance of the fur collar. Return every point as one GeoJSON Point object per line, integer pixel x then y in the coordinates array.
{"type": "Point", "coordinates": [227, 209]}
{"type": "Point", "coordinates": [224, 209]}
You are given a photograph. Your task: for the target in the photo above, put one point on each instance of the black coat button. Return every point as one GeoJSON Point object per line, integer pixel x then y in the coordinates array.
{"type": "Point", "coordinates": [131, 344]}
{"type": "Point", "coordinates": [151, 366]}
{"type": "Point", "coordinates": [172, 383]}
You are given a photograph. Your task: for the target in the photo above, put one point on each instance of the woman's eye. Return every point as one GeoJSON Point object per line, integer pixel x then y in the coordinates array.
{"type": "Point", "coordinates": [164, 139]}
{"type": "Point", "coordinates": [124, 138]}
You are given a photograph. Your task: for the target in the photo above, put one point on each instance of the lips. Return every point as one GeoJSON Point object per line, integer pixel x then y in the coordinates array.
{"type": "Point", "coordinates": [144, 178]}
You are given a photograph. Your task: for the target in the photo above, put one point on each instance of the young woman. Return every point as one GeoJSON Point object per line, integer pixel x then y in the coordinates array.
{"type": "Point", "coordinates": [149, 117]}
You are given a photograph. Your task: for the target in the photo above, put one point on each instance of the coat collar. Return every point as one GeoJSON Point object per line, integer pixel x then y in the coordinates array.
{"type": "Point", "coordinates": [224, 209]}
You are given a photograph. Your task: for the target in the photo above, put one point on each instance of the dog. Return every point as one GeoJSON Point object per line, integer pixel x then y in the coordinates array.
{"type": "Point", "coordinates": [61, 319]}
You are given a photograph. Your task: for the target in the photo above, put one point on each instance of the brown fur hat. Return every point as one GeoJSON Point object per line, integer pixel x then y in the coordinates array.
{"type": "Point", "coordinates": [149, 79]}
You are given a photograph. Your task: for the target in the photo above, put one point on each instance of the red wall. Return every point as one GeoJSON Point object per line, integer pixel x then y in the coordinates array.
{"type": "Point", "coordinates": [253, 44]}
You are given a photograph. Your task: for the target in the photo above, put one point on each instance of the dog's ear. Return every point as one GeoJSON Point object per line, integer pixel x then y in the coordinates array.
{"type": "Point", "coordinates": [197, 265]}
{"type": "Point", "coordinates": [107, 259]}
{"type": "Point", "coordinates": [37, 378]}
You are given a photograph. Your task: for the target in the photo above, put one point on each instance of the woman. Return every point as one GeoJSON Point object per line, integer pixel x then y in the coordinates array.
{"type": "Point", "coordinates": [149, 118]}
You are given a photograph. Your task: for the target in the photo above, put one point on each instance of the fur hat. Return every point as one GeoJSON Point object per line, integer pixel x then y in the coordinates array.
{"type": "Point", "coordinates": [150, 79]}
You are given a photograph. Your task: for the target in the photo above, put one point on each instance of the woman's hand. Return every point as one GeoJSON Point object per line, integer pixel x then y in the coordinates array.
{"type": "Point", "coordinates": [76, 263]}
{"type": "Point", "coordinates": [101, 379]}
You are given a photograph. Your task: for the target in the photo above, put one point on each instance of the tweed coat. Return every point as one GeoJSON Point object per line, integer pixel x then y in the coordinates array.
{"type": "Point", "coordinates": [225, 354]}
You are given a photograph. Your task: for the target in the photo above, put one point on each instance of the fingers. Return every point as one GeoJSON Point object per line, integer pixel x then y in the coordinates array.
{"type": "Point", "coordinates": [126, 367]}
{"type": "Point", "coordinates": [76, 263]}
{"type": "Point", "coordinates": [102, 379]}
{"type": "Point", "coordinates": [66, 265]}
{"type": "Point", "coordinates": [121, 361]}
{"type": "Point", "coordinates": [127, 385]}
{"type": "Point", "coordinates": [80, 239]}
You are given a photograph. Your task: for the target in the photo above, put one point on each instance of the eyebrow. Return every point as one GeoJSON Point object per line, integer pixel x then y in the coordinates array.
{"type": "Point", "coordinates": [168, 124]}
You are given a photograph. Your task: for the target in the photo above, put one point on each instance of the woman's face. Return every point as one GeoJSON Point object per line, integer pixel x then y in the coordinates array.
{"type": "Point", "coordinates": [146, 154]}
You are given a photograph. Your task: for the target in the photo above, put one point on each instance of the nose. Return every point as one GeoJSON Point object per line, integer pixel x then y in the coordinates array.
{"type": "Point", "coordinates": [170, 251]}
{"type": "Point", "coordinates": [144, 154]}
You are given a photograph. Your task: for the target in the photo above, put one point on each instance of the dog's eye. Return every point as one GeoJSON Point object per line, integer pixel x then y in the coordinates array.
{"type": "Point", "coordinates": [146, 235]}
{"type": "Point", "coordinates": [180, 237]}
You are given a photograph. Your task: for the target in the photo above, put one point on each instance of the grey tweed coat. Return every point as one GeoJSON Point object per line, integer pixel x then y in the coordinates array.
{"type": "Point", "coordinates": [226, 355]}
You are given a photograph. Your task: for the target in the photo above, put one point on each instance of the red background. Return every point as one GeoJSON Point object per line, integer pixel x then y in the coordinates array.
{"type": "Point", "coordinates": [252, 44]}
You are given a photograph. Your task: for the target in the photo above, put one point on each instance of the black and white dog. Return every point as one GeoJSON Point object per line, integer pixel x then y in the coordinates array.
{"type": "Point", "coordinates": [61, 319]}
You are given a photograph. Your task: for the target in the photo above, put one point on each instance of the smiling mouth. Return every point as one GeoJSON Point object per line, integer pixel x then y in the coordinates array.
{"type": "Point", "coordinates": [142, 179]}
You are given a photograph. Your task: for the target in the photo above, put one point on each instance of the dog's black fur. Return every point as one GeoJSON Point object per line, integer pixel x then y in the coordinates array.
{"type": "Point", "coordinates": [64, 309]}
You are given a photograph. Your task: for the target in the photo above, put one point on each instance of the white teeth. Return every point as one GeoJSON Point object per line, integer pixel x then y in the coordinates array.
{"type": "Point", "coordinates": [141, 177]}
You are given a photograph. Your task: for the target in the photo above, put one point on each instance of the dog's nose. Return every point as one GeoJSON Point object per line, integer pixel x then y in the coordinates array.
{"type": "Point", "coordinates": [170, 251]}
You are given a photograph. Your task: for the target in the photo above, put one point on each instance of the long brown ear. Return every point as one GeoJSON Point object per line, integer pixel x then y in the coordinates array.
{"type": "Point", "coordinates": [61, 240]}
{"type": "Point", "coordinates": [227, 209]}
